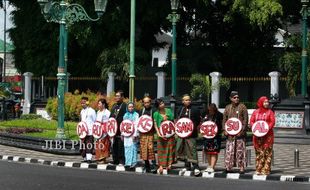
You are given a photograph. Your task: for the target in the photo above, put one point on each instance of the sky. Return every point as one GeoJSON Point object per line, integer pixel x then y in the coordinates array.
{"type": "Point", "coordinates": [8, 22]}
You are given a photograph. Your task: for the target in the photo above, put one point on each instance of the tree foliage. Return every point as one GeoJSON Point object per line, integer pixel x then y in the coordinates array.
{"type": "Point", "coordinates": [234, 37]}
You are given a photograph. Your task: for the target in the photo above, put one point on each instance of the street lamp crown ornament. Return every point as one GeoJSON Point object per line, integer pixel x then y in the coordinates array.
{"type": "Point", "coordinates": [304, 2]}
{"type": "Point", "coordinates": [175, 4]}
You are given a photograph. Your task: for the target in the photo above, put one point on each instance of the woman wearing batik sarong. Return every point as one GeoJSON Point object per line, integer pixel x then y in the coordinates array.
{"type": "Point", "coordinates": [131, 142]}
{"type": "Point", "coordinates": [263, 145]}
{"type": "Point", "coordinates": [102, 145]}
{"type": "Point", "coordinates": [187, 147]}
{"type": "Point", "coordinates": [147, 139]}
{"type": "Point", "coordinates": [165, 146]}
{"type": "Point", "coordinates": [235, 151]}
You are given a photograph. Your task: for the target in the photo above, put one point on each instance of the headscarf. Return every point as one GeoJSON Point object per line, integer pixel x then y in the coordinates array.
{"type": "Point", "coordinates": [260, 104]}
{"type": "Point", "coordinates": [130, 115]}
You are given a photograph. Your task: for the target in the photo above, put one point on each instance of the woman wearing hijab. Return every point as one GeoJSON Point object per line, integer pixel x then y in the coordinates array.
{"type": "Point", "coordinates": [263, 145]}
{"type": "Point", "coordinates": [130, 143]}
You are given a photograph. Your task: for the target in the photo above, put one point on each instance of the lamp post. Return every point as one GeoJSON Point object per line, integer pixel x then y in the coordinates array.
{"type": "Point", "coordinates": [174, 18]}
{"type": "Point", "coordinates": [132, 50]}
{"type": "Point", "coordinates": [65, 14]}
{"type": "Point", "coordinates": [304, 54]}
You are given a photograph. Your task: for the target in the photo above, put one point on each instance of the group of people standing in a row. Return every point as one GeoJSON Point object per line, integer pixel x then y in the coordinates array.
{"type": "Point", "coordinates": [169, 150]}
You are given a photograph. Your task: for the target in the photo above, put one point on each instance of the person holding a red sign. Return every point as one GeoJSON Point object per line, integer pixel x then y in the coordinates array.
{"type": "Point", "coordinates": [147, 139]}
{"type": "Point", "coordinates": [102, 145]}
{"type": "Point", "coordinates": [118, 110]}
{"type": "Point", "coordinates": [212, 146]}
{"type": "Point", "coordinates": [165, 146]}
{"type": "Point", "coordinates": [186, 147]}
{"type": "Point", "coordinates": [263, 145]}
{"type": "Point", "coordinates": [131, 142]}
{"type": "Point", "coordinates": [88, 115]}
{"type": "Point", "coordinates": [235, 144]}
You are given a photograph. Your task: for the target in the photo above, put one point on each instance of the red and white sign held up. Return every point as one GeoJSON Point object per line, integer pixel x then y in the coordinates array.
{"type": "Point", "coordinates": [145, 124]}
{"type": "Point", "coordinates": [166, 129]}
{"type": "Point", "coordinates": [260, 128]}
{"type": "Point", "coordinates": [233, 126]}
{"type": "Point", "coordinates": [208, 129]}
{"type": "Point", "coordinates": [111, 127]}
{"type": "Point", "coordinates": [127, 128]}
{"type": "Point", "coordinates": [184, 127]}
{"type": "Point", "coordinates": [82, 130]}
{"type": "Point", "coordinates": [100, 129]}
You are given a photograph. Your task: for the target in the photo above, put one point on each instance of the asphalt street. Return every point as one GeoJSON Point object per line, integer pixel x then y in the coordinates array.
{"type": "Point", "coordinates": [31, 177]}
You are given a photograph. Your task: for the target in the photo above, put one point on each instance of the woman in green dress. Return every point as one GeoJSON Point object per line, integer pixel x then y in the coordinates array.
{"type": "Point", "coordinates": [165, 146]}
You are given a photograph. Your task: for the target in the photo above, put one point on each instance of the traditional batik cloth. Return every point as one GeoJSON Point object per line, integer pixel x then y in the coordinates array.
{"type": "Point", "coordinates": [235, 145]}
{"type": "Point", "coordinates": [263, 145]}
{"type": "Point", "coordinates": [130, 143]}
{"type": "Point", "coordinates": [186, 147]}
{"type": "Point", "coordinates": [102, 145]}
{"type": "Point", "coordinates": [147, 140]}
{"type": "Point", "coordinates": [235, 153]}
{"type": "Point", "coordinates": [165, 148]}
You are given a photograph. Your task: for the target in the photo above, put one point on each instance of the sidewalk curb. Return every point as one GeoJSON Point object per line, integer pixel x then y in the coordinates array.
{"type": "Point", "coordinates": [173, 172]}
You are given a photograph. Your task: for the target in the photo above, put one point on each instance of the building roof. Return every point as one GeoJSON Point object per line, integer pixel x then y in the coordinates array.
{"type": "Point", "coordinates": [9, 47]}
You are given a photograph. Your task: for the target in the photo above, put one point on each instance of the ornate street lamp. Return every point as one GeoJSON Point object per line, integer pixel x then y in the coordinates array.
{"type": "Point", "coordinates": [174, 18]}
{"type": "Point", "coordinates": [65, 14]}
{"type": "Point", "coordinates": [304, 55]}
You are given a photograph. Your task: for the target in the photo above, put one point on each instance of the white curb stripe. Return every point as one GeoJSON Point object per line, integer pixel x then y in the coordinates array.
{"type": "Point", "coordinates": [15, 158]}
{"type": "Point", "coordinates": [187, 173]}
{"type": "Point", "coordinates": [27, 160]}
{"type": "Point", "coordinates": [84, 165]}
{"type": "Point", "coordinates": [287, 178]}
{"type": "Point", "coordinates": [165, 172]}
{"type": "Point", "coordinates": [54, 163]}
{"type": "Point", "coordinates": [232, 176]}
{"type": "Point", "coordinates": [259, 177]}
{"type": "Point", "coordinates": [208, 175]}
{"type": "Point", "coordinates": [5, 157]}
{"type": "Point", "coordinates": [139, 170]}
{"type": "Point", "coordinates": [102, 166]}
{"type": "Point", "coordinates": [120, 168]}
{"type": "Point", "coordinates": [68, 164]}
{"type": "Point", "coordinates": [40, 161]}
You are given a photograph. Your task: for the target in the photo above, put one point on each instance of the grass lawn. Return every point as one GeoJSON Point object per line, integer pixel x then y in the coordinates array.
{"type": "Point", "coordinates": [48, 127]}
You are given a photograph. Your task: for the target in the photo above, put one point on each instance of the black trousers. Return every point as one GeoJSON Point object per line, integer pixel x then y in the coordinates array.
{"type": "Point", "coordinates": [118, 152]}
{"type": "Point", "coordinates": [87, 146]}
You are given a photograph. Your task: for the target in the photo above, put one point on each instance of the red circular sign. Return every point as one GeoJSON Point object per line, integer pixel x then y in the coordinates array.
{"type": "Point", "coordinates": [82, 130]}
{"type": "Point", "coordinates": [233, 126]}
{"type": "Point", "coordinates": [260, 128]}
{"type": "Point", "coordinates": [184, 127]}
{"type": "Point", "coordinates": [97, 130]}
{"type": "Point", "coordinates": [145, 124]}
{"type": "Point", "coordinates": [111, 128]}
{"type": "Point", "coordinates": [166, 129]}
{"type": "Point", "coordinates": [208, 129]}
{"type": "Point", "coordinates": [127, 128]}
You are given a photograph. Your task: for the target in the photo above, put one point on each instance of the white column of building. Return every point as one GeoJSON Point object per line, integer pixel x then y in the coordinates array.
{"type": "Point", "coordinates": [111, 83]}
{"type": "Point", "coordinates": [274, 82]}
{"type": "Point", "coordinates": [27, 91]}
{"type": "Point", "coordinates": [160, 84]}
{"type": "Point", "coordinates": [215, 93]}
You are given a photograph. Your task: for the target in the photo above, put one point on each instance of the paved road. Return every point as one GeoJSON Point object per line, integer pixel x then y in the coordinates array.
{"type": "Point", "coordinates": [31, 177]}
{"type": "Point", "coordinates": [283, 159]}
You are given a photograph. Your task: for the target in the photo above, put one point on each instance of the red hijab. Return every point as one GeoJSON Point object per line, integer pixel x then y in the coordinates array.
{"type": "Point", "coordinates": [260, 104]}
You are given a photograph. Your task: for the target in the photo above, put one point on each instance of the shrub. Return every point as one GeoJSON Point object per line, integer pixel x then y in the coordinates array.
{"type": "Point", "coordinates": [30, 116]}
{"type": "Point", "coordinates": [73, 106]}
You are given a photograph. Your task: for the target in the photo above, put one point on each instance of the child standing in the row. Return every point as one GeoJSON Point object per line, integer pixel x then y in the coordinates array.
{"type": "Point", "coordinates": [130, 143]}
